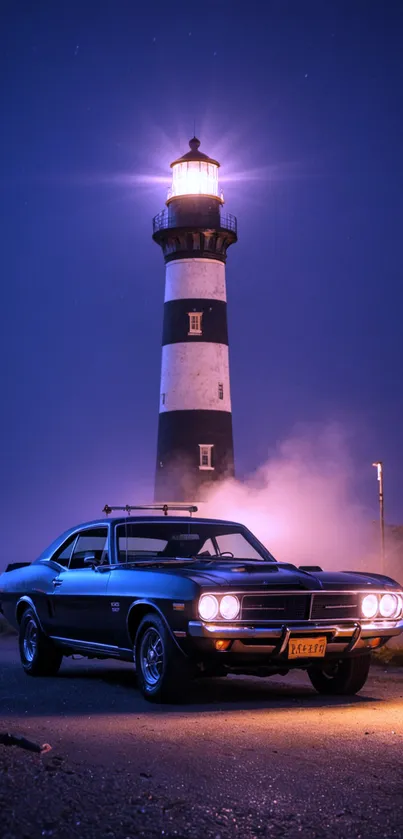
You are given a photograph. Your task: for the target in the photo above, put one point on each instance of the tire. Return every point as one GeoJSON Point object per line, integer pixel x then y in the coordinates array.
{"type": "Point", "coordinates": [39, 656]}
{"type": "Point", "coordinates": [161, 668]}
{"type": "Point", "coordinates": [344, 677]}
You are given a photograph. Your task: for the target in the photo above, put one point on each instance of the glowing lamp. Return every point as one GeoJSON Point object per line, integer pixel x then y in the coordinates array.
{"type": "Point", "coordinates": [229, 607]}
{"type": "Point", "coordinates": [369, 605]}
{"type": "Point", "coordinates": [373, 642]}
{"type": "Point", "coordinates": [195, 174]}
{"type": "Point", "coordinates": [208, 607]}
{"type": "Point", "coordinates": [389, 606]}
{"type": "Point", "coordinates": [222, 646]}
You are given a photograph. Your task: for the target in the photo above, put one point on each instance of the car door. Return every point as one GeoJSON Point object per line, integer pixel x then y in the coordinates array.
{"type": "Point", "coordinates": [79, 605]}
{"type": "Point", "coordinates": [133, 541]}
{"type": "Point", "coordinates": [44, 599]}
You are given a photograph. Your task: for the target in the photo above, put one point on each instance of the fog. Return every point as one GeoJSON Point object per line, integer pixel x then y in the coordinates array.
{"type": "Point", "coordinates": [302, 504]}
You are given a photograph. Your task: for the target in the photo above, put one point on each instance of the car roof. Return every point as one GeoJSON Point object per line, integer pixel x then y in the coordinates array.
{"type": "Point", "coordinates": [159, 518]}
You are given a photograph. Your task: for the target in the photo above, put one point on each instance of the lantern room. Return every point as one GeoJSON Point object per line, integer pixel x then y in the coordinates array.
{"type": "Point", "coordinates": [195, 174]}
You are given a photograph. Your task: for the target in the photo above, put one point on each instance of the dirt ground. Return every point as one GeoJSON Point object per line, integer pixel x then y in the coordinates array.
{"type": "Point", "coordinates": [241, 757]}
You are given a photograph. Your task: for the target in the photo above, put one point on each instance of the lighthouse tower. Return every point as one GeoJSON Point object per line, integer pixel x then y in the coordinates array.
{"type": "Point", "coordinates": [195, 444]}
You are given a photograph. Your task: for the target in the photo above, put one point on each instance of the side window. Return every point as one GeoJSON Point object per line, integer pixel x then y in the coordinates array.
{"type": "Point", "coordinates": [63, 554]}
{"type": "Point", "coordinates": [90, 542]}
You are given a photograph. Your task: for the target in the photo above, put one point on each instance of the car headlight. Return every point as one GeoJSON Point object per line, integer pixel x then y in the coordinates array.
{"type": "Point", "coordinates": [369, 605]}
{"type": "Point", "coordinates": [229, 607]}
{"type": "Point", "coordinates": [389, 605]}
{"type": "Point", "coordinates": [208, 607]}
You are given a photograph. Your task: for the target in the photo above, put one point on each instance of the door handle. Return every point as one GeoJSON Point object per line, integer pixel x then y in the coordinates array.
{"type": "Point", "coordinates": [57, 582]}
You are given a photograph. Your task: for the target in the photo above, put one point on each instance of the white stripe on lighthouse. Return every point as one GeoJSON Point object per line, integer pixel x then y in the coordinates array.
{"type": "Point", "coordinates": [193, 376]}
{"type": "Point", "coordinates": [187, 279]}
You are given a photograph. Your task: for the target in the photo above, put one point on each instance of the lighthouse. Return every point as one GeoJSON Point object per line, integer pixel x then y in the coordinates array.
{"type": "Point", "coordinates": [195, 442]}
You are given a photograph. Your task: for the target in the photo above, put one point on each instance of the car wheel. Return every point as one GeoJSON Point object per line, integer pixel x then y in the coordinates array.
{"type": "Point", "coordinates": [161, 668]}
{"type": "Point", "coordinates": [39, 656]}
{"type": "Point", "coordinates": [346, 676]}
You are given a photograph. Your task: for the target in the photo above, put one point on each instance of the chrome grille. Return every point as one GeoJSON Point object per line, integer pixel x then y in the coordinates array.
{"type": "Point", "coordinates": [275, 607]}
{"type": "Point", "coordinates": [335, 606]}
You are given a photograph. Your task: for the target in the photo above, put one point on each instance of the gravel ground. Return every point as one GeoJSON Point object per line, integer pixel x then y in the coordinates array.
{"type": "Point", "coordinates": [5, 628]}
{"type": "Point", "coordinates": [242, 758]}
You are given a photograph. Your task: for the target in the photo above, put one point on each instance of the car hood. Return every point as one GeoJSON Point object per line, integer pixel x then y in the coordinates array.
{"type": "Point", "coordinates": [238, 574]}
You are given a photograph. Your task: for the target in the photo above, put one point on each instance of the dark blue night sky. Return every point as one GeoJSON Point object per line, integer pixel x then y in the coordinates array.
{"type": "Point", "coordinates": [301, 102]}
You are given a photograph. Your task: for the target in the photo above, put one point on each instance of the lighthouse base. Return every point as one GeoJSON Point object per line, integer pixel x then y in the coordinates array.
{"type": "Point", "coordinates": [184, 475]}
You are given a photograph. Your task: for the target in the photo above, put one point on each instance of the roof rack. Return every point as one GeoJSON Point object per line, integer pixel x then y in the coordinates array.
{"type": "Point", "coordinates": [165, 508]}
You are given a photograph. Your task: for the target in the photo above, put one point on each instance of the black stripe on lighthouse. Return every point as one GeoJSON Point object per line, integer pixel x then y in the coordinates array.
{"type": "Point", "coordinates": [180, 475]}
{"type": "Point", "coordinates": [182, 318]}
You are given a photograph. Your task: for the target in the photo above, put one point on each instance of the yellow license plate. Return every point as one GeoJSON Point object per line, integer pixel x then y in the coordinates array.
{"type": "Point", "coordinates": [307, 647]}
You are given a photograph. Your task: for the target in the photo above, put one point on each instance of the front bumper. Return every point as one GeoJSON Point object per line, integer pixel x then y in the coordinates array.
{"type": "Point", "coordinates": [341, 637]}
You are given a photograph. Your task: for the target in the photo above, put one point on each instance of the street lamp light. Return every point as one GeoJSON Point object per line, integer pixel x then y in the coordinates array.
{"type": "Point", "coordinates": [379, 467]}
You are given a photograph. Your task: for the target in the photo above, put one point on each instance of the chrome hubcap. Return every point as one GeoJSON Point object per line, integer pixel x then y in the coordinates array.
{"type": "Point", "coordinates": [151, 656]}
{"type": "Point", "coordinates": [331, 670]}
{"type": "Point", "coordinates": [30, 640]}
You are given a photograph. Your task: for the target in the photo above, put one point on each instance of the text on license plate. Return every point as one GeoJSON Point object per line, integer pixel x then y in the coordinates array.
{"type": "Point", "coordinates": [307, 647]}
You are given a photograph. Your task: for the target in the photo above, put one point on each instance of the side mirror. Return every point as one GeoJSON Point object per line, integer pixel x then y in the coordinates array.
{"type": "Point", "coordinates": [90, 559]}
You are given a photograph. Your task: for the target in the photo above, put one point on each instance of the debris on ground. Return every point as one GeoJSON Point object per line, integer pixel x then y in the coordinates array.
{"type": "Point", "coordinates": [22, 742]}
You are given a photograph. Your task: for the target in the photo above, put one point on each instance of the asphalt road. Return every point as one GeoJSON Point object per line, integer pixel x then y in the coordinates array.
{"type": "Point", "coordinates": [242, 758]}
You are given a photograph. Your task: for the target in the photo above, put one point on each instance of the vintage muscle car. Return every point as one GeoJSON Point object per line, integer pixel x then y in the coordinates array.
{"type": "Point", "coordinates": [184, 596]}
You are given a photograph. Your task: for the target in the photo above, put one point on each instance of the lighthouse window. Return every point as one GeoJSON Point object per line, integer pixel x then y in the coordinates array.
{"type": "Point", "coordinates": [220, 390]}
{"type": "Point", "coordinates": [195, 319]}
{"type": "Point", "coordinates": [205, 456]}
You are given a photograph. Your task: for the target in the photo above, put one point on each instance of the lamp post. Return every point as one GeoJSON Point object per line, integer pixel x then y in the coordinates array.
{"type": "Point", "coordinates": [379, 467]}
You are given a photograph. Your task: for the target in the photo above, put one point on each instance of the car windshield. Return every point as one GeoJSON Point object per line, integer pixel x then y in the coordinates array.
{"type": "Point", "coordinates": [173, 540]}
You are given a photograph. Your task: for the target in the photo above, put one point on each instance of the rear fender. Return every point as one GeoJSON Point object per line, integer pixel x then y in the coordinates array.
{"type": "Point", "coordinates": [23, 603]}
{"type": "Point", "coordinates": [12, 566]}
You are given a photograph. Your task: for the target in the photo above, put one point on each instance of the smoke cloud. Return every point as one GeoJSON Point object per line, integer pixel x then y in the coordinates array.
{"type": "Point", "coordinates": [302, 505]}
